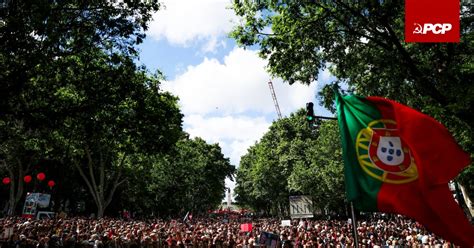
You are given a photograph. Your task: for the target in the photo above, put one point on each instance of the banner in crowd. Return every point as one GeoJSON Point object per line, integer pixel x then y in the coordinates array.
{"type": "Point", "coordinates": [301, 206]}
{"type": "Point", "coordinates": [43, 200]}
{"type": "Point", "coordinates": [34, 201]}
{"type": "Point", "coordinates": [269, 240]}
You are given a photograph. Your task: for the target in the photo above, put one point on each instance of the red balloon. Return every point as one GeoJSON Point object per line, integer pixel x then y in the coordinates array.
{"type": "Point", "coordinates": [27, 178]}
{"type": "Point", "coordinates": [6, 180]}
{"type": "Point", "coordinates": [51, 183]}
{"type": "Point", "coordinates": [41, 176]}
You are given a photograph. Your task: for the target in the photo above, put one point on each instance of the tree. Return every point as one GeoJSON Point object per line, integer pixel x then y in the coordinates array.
{"type": "Point", "coordinates": [21, 149]}
{"type": "Point", "coordinates": [35, 33]}
{"type": "Point", "coordinates": [362, 44]}
{"type": "Point", "coordinates": [190, 178]}
{"type": "Point", "coordinates": [126, 115]}
{"type": "Point", "coordinates": [326, 168]}
{"type": "Point", "coordinates": [292, 158]}
{"type": "Point", "coordinates": [70, 80]}
{"type": "Point", "coordinates": [262, 177]}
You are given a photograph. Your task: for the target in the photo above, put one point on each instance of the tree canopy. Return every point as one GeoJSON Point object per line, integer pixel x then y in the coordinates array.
{"type": "Point", "coordinates": [289, 159]}
{"type": "Point", "coordinates": [73, 99]}
{"type": "Point", "coordinates": [362, 44]}
{"type": "Point", "coordinates": [190, 178]}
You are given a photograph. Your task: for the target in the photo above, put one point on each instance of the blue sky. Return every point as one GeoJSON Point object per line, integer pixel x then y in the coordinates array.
{"type": "Point", "coordinates": [223, 89]}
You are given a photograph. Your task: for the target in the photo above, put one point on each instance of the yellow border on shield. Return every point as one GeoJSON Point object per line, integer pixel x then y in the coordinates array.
{"type": "Point", "coordinates": [365, 135]}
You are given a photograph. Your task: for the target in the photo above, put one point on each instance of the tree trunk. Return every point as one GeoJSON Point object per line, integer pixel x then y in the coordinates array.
{"type": "Point", "coordinates": [100, 210]}
{"type": "Point", "coordinates": [11, 199]}
{"type": "Point", "coordinates": [16, 188]}
{"type": "Point", "coordinates": [463, 200]}
{"type": "Point", "coordinates": [14, 197]}
{"type": "Point", "coordinates": [98, 190]}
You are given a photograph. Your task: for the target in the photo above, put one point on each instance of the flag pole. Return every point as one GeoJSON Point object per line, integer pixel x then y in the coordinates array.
{"type": "Point", "coordinates": [354, 226]}
{"type": "Point", "coordinates": [461, 200]}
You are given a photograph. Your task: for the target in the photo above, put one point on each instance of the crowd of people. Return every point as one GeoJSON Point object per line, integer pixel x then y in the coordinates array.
{"type": "Point", "coordinates": [395, 231]}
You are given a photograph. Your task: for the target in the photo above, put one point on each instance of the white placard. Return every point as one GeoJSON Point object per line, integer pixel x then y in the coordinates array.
{"type": "Point", "coordinates": [286, 223]}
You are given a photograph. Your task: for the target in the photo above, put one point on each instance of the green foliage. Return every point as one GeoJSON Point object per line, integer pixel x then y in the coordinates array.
{"type": "Point", "coordinates": [72, 93]}
{"type": "Point", "coordinates": [50, 53]}
{"type": "Point", "coordinates": [191, 177]}
{"type": "Point", "coordinates": [73, 98]}
{"type": "Point", "coordinates": [291, 158]}
{"type": "Point", "coordinates": [104, 110]}
{"type": "Point", "coordinates": [362, 44]}
{"type": "Point", "coordinates": [323, 179]}
{"type": "Point", "coordinates": [35, 34]}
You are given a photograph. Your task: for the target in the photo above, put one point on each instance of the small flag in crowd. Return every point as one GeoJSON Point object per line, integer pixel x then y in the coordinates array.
{"type": "Point", "coordinates": [246, 227]}
{"type": "Point", "coordinates": [399, 160]}
{"type": "Point", "coordinates": [188, 217]}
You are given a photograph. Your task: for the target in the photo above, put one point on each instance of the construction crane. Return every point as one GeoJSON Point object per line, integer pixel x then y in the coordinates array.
{"type": "Point", "coordinates": [275, 101]}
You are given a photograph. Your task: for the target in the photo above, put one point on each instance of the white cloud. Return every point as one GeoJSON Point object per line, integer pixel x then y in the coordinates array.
{"type": "Point", "coordinates": [212, 45]}
{"type": "Point", "coordinates": [215, 129]}
{"type": "Point", "coordinates": [225, 101]}
{"type": "Point", "coordinates": [240, 147]}
{"type": "Point", "coordinates": [236, 86]}
{"type": "Point", "coordinates": [235, 134]}
{"type": "Point", "coordinates": [229, 101]}
{"type": "Point", "coordinates": [184, 21]}
{"type": "Point", "coordinates": [325, 75]}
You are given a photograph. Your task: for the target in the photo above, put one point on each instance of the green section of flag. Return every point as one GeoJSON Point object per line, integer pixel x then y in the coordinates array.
{"type": "Point", "coordinates": [354, 114]}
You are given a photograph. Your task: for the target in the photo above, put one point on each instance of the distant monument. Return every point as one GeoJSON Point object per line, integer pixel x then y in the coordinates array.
{"type": "Point", "coordinates": [229, 199]}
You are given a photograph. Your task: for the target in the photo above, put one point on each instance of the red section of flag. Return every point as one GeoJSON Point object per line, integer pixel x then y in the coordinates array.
{"type": "Point", "coordinates": [438, 159]}
{"type": "Point", "coordinates": [432, 20]}
{"type": "Point", "coordinates": [247, 227]}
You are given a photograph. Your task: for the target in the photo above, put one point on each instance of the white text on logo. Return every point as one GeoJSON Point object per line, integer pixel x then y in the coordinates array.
{"type": "Point", "coordinates": [437, 28]}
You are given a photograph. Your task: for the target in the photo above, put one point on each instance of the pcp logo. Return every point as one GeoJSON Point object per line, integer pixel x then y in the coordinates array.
{"type": "Point", "coordinates": [436, 28]}
{"type": "Point", "coordinates": [432, 20]}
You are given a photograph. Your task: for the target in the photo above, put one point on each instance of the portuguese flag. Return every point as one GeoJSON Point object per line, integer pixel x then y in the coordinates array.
{"type": "Point", "coordinates": [399, 160]}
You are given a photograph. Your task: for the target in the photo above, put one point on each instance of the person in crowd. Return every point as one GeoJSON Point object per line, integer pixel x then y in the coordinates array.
{"type": "Point", "coordinates": [76, 232]}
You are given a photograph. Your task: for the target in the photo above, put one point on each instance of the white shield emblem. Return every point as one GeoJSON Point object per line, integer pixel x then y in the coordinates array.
{"type": "Point", "coordinates": [389, 150]}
